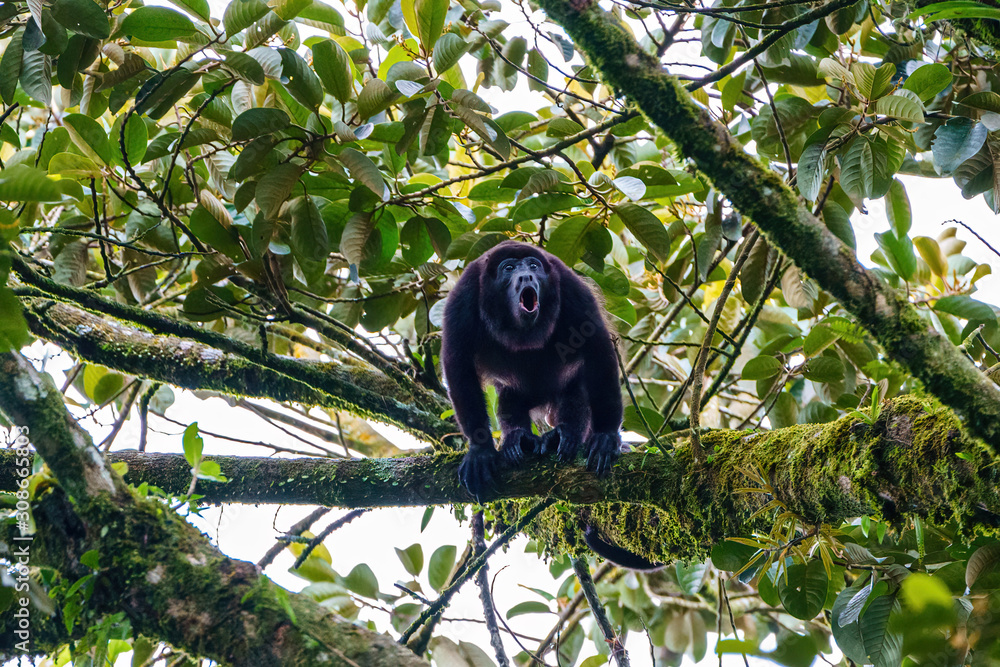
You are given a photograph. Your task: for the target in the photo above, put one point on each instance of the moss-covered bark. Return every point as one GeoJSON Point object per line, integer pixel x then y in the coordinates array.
{"type": "Point", "coordinates": [160, 570]}
{"type": "Point", "coordinates": [185, 363]}
{"type": "Point", "coordinates": [664, 506]}
{"type": "Point", "coordinates": [761, 195]}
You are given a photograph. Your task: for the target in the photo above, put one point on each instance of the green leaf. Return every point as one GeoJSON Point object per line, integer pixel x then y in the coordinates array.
{"type": "Point", "coordinates": [259, 121]}
{"type": "Point", "coordinates": [209, 230]}
{"type": "Point", "coordinates": [882, 645]}
{"type": "Point", "coordinates": [289, 9]}
{"type": "Point", "coordinates": [928, 80]}
{"type": "Point", "coordinates": [430, 16]}
{"type": "Point", "coordinates": [245, 66]}
{"type": "Point", "coordinates": [847, 632]}
{"type": "Point", "coordinates": [89, 136]}
{"type": "Point", "coordinates": [647, 228]}
{"type": "Point", "coordinates": [300, 81]}
{"type": "Point", "coordinates": [761, 368]}
{"type": "Point", "coordinates": [838, 221]}
{"type": "Point", "coordinates": [448, 50]}
{"type": "Point", "coordinates": [967, 308]}
{"type": "Point", "coordinates": [73, 165]}
{"type": "Point", "coordinates": [82, 16]}
{"type": "Point", "coordinates": [899, 253]}
{"type": "Point", "coordinates": [528, 607]}
{"type": "Point", "coordinates": [374, 98]}
{"type": "Point", "coordinates": [193, 444]}
{"type": "Point", "coordinates": [857, 169]}
{"type": "Point", "coordinates": [241, 14]}
{"type": "Point", "coordinates": [354, 239]}
{"type": "Point", "coordinates": [824, 369]}
{"type": "Point", "coordinates": [157, 24]}
{"type": "Point", "coordinates": [544, 204]}
{"type": "Point", "coordinates": [984, 559]}
{"type": "Point", "coordinates": [274, 188]}
{"type": "Point", "coordinates": [986, 101]}
{"type": "Point", "coordinates": [334, 68]}
{"type": "Point", "coordinates": [803, 589]}
{"type": "Point", "coordinates": [36, 76]}
{"type": "Point", "coordinates": [24, 183]}
{"type": "Point", "coordinates": [309, 237]}
{"type": "Point", "coordinates": [10, 67]}
{"type": "Point", "coordinates": [955, 142]}
{"type": "Point", "coordinates": [931, 253]}
{"type": "Point", "coordinates": [873, 83]}
{"type": "Point", "coordinates": [362, 581]}
{"type": "Point", "coordinates": [365, 171]}
{"type": "Point", "coordinates": [812, 165]}
{"type": "Point", "coordinates": [441, 563]}
{"type": "Point", "coordinates": [897, 209]}
{"type": "Point", "coordinates": [412, 558]}
{"type": "Point", "coordinates": [197, 8]}
{"type": "Point", "coordinates": [903, 108]}
{"type": "Point", "coordinates": [818, 339]}
{"type": "Point", "coordinates": [956, 9]}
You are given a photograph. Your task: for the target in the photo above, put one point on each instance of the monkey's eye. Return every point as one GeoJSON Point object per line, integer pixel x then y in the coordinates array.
{"type": "Point", "coordinates": [533, 265]}
{"type": "Point", "coordinates": [508, 267]}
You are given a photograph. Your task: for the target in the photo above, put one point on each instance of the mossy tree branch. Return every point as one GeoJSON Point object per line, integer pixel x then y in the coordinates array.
{"type": "Point", "coordinates": [182, 362]}
{"type": "Point", "coordinates": [761, 195]}
{"type": "Point", "coordinates": [157, 568]}
{"type": "Point", "coordinates": [904, 464]}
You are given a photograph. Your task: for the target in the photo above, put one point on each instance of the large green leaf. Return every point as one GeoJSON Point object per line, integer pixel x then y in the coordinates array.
{"type": "Point", "coordinates": [36, 76]}
{"type": "Point", "coordinates": [374, 98]}
{"type": "Point", "coordinates": [899, 253]}
{"type": "Point", "coordinates": [857, 168]}
{"type": "Point", "coordinates": [157, 24]}
{"type": "Point", "coordinates": [245, 66]}
{"type": "Point", "coordinates": [300, 81]}
{"type": "Point", "coordinates": [811, 169]}
{"type": "Point", "coordinates": [24, 183]}
{"type": "Point", "coordinates": [89, 136]}
{"type": "Point", "coordinates": [256, 122]}
{"type": "Point", "coordinates": [803, 589]}
{"type": "Point", "coordinates": [10, 67]}
{"type": "Point", "coordinates": [928, 80]}
{"type": "Point", "coordinates": [82, 16]}
{"type": "Point", "coordinates": [334, 68]}
{"type": "Point", "coordinates": [903, 108]}
{"type": "Point", "coordinates": [275, 186]}
{"type": "Point", "coordinates": [241, 14]}
{"type": "Point", "coordinates": [873, 83]}
{"type": "Point", "coordinates": [430, 21]}
{"type": "Point", "coordinates": [647, 228]}
{"type": "Point", "coordinates": [365, 171]}
{"type": "Point", "coordinates": [309, 237]}
{"type": "Point", "coordinates": [956, 141]}
{"type": "Point", "coordinates": [447, 51]}
{"type": "Point", "coordinates": [197, 8]}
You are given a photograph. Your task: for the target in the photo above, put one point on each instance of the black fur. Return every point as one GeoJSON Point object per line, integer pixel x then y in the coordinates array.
{"type": "Point", "coordinates": [615, 554]}
{"type": "Point", "coordinates": [522, 320]}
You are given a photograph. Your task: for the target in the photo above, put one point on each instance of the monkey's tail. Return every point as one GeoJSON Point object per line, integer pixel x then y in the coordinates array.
{"type": "Point", "coordinates": [614, 553]}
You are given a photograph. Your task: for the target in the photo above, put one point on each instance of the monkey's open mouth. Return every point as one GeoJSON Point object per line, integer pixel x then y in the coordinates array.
{"type": "Point", "coordinates": [529, 300]}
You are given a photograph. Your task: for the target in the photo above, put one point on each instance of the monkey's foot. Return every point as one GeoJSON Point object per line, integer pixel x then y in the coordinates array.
{"type": "Point", "coordinates": [477, 470]}
{"type": "Point", "coordinates": [602, 452]}
{"type": "Point", "coordinates": [517, 444]}
{"type": "Point", "coordinates": [564, 442]}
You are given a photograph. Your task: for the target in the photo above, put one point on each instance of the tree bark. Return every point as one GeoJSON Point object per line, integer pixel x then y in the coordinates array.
{"type": "Point", "coordinates": [160, 570]}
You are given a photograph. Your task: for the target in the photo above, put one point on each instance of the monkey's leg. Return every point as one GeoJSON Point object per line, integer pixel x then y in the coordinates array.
{"type": "Point", "coordinates": [513, 411]}
{"type": "Point", "coordinates": [572, 413]}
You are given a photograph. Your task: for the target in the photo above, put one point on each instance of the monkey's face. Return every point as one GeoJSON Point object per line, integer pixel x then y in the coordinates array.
{"type": "Point", "coordinates": [525, 282]}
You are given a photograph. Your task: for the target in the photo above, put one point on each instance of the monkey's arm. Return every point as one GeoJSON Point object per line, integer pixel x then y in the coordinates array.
{"type": "Point", "coordinates": [458, 360]}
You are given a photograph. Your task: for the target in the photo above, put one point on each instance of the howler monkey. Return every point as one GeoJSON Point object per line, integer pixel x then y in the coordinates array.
{"type": "Point", "coordinates": [521, 320]}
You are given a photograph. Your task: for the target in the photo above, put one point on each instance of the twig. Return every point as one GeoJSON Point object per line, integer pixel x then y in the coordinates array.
{"type": "Point", "coordinates": [485, 593]}
{"type": "Point", "coordinates": [326, 532]}
{"type": "Point", "coordinates": [618, 651]}
{"type": "Point", "coordinates": [297, 529]}
{"type": "Point", "coordinates": [474, 567]}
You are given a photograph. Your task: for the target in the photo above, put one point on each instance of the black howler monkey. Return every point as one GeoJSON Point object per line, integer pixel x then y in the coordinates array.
{"type": "Point", "coordinates": [522, 320]}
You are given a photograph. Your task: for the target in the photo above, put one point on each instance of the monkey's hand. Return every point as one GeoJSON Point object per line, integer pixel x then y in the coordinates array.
{"type": "Point", "coordinates": [602, 452]}
{"type": "Point", "coordinates": [562, 440]}
{"type": "Point", "coordinates": [477, 470]}
{"type": "Point", "coordinates": [517, 444]}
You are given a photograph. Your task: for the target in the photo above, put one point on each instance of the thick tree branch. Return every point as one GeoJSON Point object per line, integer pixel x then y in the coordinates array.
{"type": "Point", "coordinates": [158, 569]}
{"type": "Point", "coordinates": [184, 363]}
{"type": "Point", "coordinates": [903, 464]}
{"type": "Point", "coordinates": [762, 196]}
